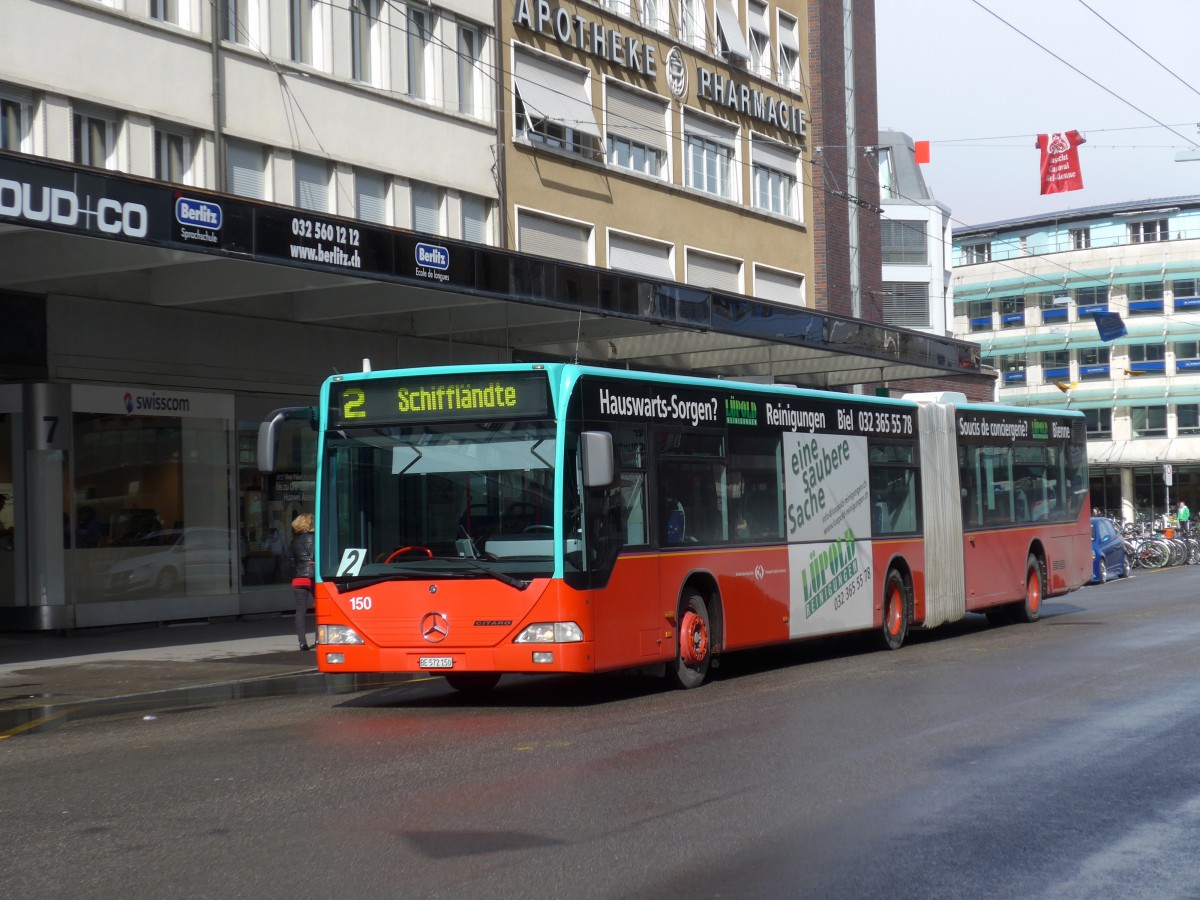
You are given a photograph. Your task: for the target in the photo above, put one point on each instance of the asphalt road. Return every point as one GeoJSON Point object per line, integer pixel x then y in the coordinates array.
{"type": "Point", "coordinates": [1054, 760]}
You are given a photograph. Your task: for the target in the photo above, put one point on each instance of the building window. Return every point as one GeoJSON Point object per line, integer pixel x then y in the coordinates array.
{"type": "Point", "coordinates": [781, 287]}
{"type": "Point", "coordinates": [691, 22]}
{"type": "Point", "coordinates": [95, 140]}
{"type": "Point", "coordinates": [312, 183]}
{"type": "Point", "coordinates": [708, 157]}
{"type": "Point", "coordinates": [976, 253]}
{"type": "Point", "coordinates": [788, 32]}
{"type": "Point", "coordinates": [654, 15]}
{"type": "Point", "coordinates": [776, 176]}
{"type": "Point", "coordinates": [167, 10]}
{"type": "Point", "coordinates": [1090, 299]}
{"type": "Point", "coordinates": [470, 71]}
{"type": "Point", "coordinates": [720, 273]}
{"type": "Point", "coordinates": [1080, 238]}
{"type": "Point", "coordinates": [421, 71]}
{"type": "Point", "coordinates": [1187, 357]}
{"type": "Point", "coordinates": [637, 135]}
{"type": "Point", "coordinates": [1012, 311]}
{"type": "Point", "coordinates": [245, 170]}
{"type": "Point", "coordinates": [555, 238]}
{"type": "Point", "coordinates": [1147, 353]}
{"type": "Point", "coordinates": [1056, 359]}
{"type": "Point", "coordinates": [172, 157]}
{"type": "Point", "coordinates": [1187, 418]}
{"type": "Point", "coordinates": [629, 253]}
{"type": "Point", "coordinates": [303, 13]}
{"type": "Point", "coordinates": [554, 106]}
{"type": "Point", "coordinates": [364, 41]}
{"type": "Point", "coordinates": [1150, 230]}
{"type": "Point", "coordinates": [1099, 423]}
{"type": "Point", "coordinates": [1145, 298]}
{"type": "Point", "coordinates": [1148, 421]}
{"type": "Point", "coordinates": [1094, 362]}
{"type": "Point", "coordinates": [730, 42]}
{"type": "Point", "coordinates": [904, 243]}
{"type": "Point", "coordinates": [370, 197]}
{"type": "Point", "coordinates": [1054, 306]}
{"type": "Point", "coordinates": [979, 315]}
{"type": "Point", "coordinates": [241, 19]}
{"type": "Point", "coordinates": [1012, 368]}
{"type": "Point", "coordinates": [620, 7]}
{"type": "Point", "coordinates": [760, 38]}
{"type": "Point", "coordinates": [475, 216]}
{"type": "Point", "coordinates": [906, 304]}
{"type": "Point", "coordinates": [15, 117]}
{"type": "Point", "coordinates": [427, 208]}
{"type": "Point", "coordinates": [1185, 288]}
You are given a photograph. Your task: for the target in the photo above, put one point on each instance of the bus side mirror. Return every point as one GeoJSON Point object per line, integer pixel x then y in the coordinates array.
{"type": "Point", "coordinates": [596, 459]}
{"type": "Point", "coordinates": [268, 433]}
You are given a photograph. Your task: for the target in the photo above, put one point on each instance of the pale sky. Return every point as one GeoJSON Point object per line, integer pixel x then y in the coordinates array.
{"type": "Point", "coordinates": [954, 74]}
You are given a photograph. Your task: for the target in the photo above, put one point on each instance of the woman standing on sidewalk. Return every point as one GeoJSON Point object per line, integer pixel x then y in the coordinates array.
{"type": "Point", "coordinates": [302, 574]}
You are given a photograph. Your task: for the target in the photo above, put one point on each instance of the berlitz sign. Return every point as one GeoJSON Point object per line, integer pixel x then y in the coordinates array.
{"type": "Point", "coordinates": [570, 28]}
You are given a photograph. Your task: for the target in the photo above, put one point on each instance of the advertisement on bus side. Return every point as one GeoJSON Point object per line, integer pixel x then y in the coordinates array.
{"type": "Point", "coordinates": [828, 531]}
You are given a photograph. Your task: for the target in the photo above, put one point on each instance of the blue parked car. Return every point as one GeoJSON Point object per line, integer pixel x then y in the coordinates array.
{"type": "Point", "coordinates": [1108, 551]}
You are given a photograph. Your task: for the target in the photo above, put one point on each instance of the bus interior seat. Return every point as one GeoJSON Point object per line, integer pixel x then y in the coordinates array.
{"type": "Point", "coordinates": [676, 523]}
{"type": "Point", "coordinates": [878, 517]}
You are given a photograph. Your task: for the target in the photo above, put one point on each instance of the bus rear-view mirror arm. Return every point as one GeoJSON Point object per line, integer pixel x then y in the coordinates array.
{"type": "Point", "coordinates": [268, 433]}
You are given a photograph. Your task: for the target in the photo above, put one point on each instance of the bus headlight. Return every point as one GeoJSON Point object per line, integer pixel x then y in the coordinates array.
{"type": "Point", "coordinates": [550, 633]}
{"type": "Point", "coordinates": [337, 634]}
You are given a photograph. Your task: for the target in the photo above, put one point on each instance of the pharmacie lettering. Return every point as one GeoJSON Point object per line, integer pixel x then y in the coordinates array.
{"type": "Point", "coordinates": [750, 101]}
{"type": "Point", "coordinates": [59, 206]}
{"type": "Point", "coordinates": [658, 407]}
{"type": "Point", "coordinates": [456, 396]}
{"type": "Point", "coordinates": [570, 28]}
{"type": "Point", "coordinates": [813, 464]}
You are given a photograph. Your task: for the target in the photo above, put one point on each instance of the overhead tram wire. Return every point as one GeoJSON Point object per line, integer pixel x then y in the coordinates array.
{"type": "Point", "coordinates": [1150, 56]}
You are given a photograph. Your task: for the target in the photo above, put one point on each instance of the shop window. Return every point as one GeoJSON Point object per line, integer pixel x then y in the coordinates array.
{"type": "Point", "coordinates": [145, 522]}
{"type": "Point", "coordinates": [269, 503]}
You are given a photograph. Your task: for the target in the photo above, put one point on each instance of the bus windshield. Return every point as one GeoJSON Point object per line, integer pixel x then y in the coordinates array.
{"type": "Point", "coordinates": [469, 500]}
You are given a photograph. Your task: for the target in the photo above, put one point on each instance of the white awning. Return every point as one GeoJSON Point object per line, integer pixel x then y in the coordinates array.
{"type": "Point", "coordinates": [731, 29]}
{"type": "Point", "coordinates": [555, 93]}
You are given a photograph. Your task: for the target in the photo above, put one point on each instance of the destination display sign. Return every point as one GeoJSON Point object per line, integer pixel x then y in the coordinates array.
{"type": "Point", "coordinates": [399, 401]}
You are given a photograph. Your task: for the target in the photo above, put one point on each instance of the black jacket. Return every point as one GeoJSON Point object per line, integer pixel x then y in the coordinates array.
{"type": "Point", "coordinates": [302, 555]}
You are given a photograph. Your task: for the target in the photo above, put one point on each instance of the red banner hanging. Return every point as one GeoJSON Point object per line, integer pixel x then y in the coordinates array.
{"type": "Point", "coordinates": [1060, 161]}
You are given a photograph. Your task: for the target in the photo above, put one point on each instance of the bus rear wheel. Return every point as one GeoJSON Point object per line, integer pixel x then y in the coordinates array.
{"type": "Point", "coordinates": [1029, 609]}
{"type": "Point", "coordinates": [473, 682]}
{"type": "Point", "coordinates": [895, 616]}
{"type": "Point", "coordinates": [693, 649]}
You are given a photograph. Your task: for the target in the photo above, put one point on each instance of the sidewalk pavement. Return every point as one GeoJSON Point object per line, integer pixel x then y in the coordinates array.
{"type": "Point", "coordinates": [38, 670]}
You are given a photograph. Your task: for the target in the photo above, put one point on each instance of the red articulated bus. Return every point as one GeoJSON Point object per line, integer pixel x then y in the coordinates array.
{"type": "Point", "coordinates": [480, 520]}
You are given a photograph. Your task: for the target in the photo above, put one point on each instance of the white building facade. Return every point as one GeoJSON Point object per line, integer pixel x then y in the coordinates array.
{"type": "Point", "coordinates": [1028, 290]}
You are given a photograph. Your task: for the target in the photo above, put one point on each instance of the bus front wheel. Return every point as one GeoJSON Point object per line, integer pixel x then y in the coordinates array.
{"type": "Point", "coordinates": [693, 649]}
{"type": "Point", "coordinates": [895, 617]}
{"type": "Point", "coordinates": [1030, 608]}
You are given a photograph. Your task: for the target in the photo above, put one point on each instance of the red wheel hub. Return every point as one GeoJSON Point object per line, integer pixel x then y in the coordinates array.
{"type": "Point", "coordinates": [1033, 591]}
{"type": "Point", "coordinates": [693, 639]}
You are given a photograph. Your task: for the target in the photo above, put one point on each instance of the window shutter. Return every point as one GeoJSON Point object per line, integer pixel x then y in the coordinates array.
{"type": "Point", "coordinates": [426, 208]}
{"type": "Point", "coordinates": [781, 287]}
{"type": "Point", "coordinates": [539, 236]}
{"type": "Point", "coordinates": [474, 219]}
{"type": "Point", "coordinates": [244, 170]}
{"type": "Point", "coordinates": [906, 304]}
{"type": "Point", "coordinates": [312, 184]}
{"type": "Point", "coordinates": [370, 197]}
{"type": "Point", "coordinates": [630, 254]}
{"type": "Point", "coordinates": [713, 272]}
{"type": "Point", "coordinates": [637, 118]}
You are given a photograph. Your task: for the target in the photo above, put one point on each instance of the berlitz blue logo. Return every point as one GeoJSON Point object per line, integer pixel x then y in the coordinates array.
{"type": "Point", "coordinates": [128, 402]}
{"type": "Point", "coordinates": [199, 213]}
{"type": "Point", "coordinates": [431, 256]}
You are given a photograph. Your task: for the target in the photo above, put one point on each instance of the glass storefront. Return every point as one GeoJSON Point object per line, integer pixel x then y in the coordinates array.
{"type": "Point", "coordinates": [267, 504]}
